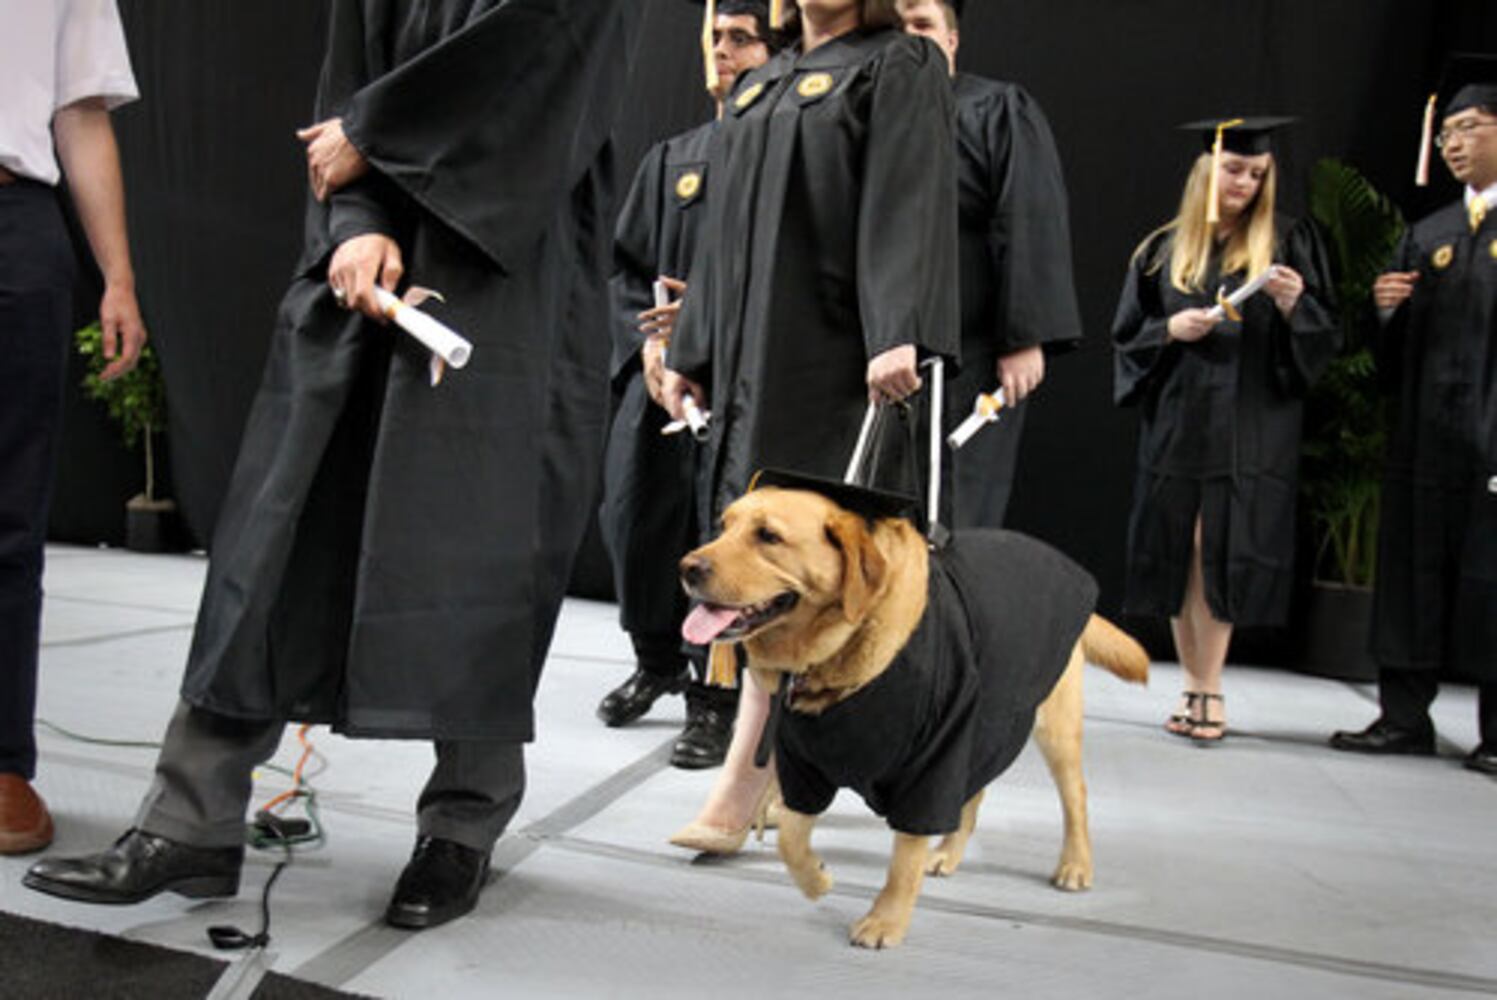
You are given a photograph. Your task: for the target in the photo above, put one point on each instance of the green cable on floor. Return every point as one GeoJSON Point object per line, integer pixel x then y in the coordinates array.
{"type": "Point", "coordinates": [257, 834]}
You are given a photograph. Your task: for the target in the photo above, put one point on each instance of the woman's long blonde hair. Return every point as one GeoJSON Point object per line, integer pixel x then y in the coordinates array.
{"type": "Point", "coordinates": [1249, 249]}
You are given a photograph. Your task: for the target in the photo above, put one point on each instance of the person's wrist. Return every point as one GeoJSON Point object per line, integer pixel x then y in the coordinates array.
{"type": "Point", "coordinates": [120, 282]}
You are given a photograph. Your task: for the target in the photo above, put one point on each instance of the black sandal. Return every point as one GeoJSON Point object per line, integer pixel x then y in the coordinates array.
{"type": "Point", "coordinates": [1180, 723]}
{"type": "Point", "coordinates": [1216, 731]}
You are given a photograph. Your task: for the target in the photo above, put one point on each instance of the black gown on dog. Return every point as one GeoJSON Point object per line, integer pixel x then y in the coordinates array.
{"type": "Point", "coordinates": [953, 710]}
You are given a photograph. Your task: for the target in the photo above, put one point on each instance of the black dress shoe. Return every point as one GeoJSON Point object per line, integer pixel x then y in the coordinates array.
{"type": "Point", "coordinates": [709, 730]}
{"type": "Point", "coordinates": [1482, 760]}
{"type": "Point", "coordinates": [441, 882]}
{"type": "Point", "coordinates": [1385, 737]}
{"type": "Point", "coordinates": [137, 867]}
{"type": "Point", "coordinates": [633, 698]}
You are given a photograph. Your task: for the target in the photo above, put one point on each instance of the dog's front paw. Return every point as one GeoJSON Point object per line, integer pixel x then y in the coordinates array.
{"type": "Point", "coordinates": [943, 861]}
{"type": "Point", "coordinates": [815, 881]}
{"type": "Point", "coordinates": [877, 930]}
{"type": "Point", "coordinates": [1072, 876]}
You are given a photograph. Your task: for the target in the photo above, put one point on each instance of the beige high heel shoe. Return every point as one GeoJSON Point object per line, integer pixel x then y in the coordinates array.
{"type": "Point", "coordinates": [704, 839]}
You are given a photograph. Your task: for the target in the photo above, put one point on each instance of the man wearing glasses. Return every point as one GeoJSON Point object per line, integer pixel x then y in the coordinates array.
{"type": "Point", "coordinates": [648, 515]}
{"type": "Point", "coordinates": [1436, 602]}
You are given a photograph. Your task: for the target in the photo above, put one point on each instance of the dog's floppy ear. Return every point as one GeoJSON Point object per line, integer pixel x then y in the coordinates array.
{"type": "Point", "coordinates": [862, 562]}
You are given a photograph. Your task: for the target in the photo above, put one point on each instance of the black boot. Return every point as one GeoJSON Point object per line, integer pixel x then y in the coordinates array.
{"type": "Point", "coordinates": [709, 727]}
{"type": "Point", "coordinates": [137, 867]}
{"type": "Point", "coordinates": [441, 882]}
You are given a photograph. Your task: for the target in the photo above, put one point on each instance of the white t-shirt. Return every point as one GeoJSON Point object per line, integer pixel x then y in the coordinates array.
{"type": "Point", "coordinates": [53, 53]}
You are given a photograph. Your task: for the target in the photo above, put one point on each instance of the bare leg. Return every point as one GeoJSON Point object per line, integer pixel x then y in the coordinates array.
{"type": "Point", "coordinates": [734, 796]}
{"type": "Point", "coordinates": [1183, 630]}
{"type": "Point", "coordinates": [885, 925]}
{"type": "Point", "coordinates": [1205, 653]}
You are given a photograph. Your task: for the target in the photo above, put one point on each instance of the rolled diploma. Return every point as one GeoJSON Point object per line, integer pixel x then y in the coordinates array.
{"type": "Point", "coordinates": [695, 418]}
{"type": "Point", "coordinates": [434, 335]}
{"type": "Point", "coordinates": [985, 411]}
{"type": "Point", "coordinates": [1242, 294]}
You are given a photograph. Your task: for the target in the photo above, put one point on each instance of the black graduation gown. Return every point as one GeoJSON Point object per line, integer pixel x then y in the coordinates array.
{"type": "Point", "coordinates": [1017, 288]}
{"type": "Point", "coordinates": [831, 238]}
{"type": "Point", "coordinates": [1219, 432]}
{"type": "Point", "coordinates": [1436, 599]}
{"type": "Point", "coordinates": [649, 515]}
{"type": "Point", "coordinates": [391, 557]}
{"type": "Point", "coordinates": [955, 707]}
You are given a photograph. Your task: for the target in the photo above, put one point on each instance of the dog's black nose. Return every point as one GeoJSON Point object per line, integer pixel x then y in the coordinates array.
{"type": "Point", "coordinates": [695, 571]}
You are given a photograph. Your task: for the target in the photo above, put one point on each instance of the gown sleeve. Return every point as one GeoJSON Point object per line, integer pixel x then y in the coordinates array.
{"type": "Point", "coordinates": [1029, 232]}
{"type": "Point", "coordinates": [907, 213]}
{"type": "Point", "coordinates": [370, 204]}
{"type": "Point", "coordinates": [636, 250]}
{"type": "Point", "coordinates": [1309, 340]}
{"type": "Point", "coordinates": [1140, 338]}
{"type": "Point", "coordinates": [1387, 337]}
{"type": "Point", "coordinates": [490, 127]}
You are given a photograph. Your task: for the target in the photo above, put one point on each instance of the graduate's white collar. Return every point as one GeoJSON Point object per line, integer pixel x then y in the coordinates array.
{"type": "Point", "coordinates": [1489, 194]}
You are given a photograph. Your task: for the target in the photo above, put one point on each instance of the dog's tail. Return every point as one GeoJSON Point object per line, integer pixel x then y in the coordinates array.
{"type": "Point", "coordinates": [1114, 650]}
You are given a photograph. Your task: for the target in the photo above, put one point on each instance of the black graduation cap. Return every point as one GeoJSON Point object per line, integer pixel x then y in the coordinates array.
{"type": "Point", "coordinates": [863, 500]}
{"type": "Point", "coordinates": [754, 7]}
{"type": "Point", "coordinates": [1468, 81]}
{"type": "Point", "coordinates": [1245, 136]}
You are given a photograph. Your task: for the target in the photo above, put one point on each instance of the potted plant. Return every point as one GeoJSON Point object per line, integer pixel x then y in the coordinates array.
{"type": "Point", "coordinates": [1346, 428]}
{"type": "Point", "coordinates": [137, 402]}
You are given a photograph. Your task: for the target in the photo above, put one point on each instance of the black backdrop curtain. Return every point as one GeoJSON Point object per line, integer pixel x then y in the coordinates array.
{"type": "Point", "coordinates": [215, 185]}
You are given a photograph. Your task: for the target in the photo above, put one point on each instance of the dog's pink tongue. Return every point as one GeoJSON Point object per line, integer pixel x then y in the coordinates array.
{"type": "Point", "coordinates": [705, 623]}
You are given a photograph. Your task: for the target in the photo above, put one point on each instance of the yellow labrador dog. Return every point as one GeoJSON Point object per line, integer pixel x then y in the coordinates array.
{"type": "Point", "coordinates": [914, 678]}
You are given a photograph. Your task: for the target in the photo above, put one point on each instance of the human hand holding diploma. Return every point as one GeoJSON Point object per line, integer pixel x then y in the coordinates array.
{"type": "Point", "coordinates": [447, 346]}
{"type": "Point", "coordinates": [695, 419]}
{"type": "Point", "coordinates": [1226, 307]}
{"type": "Point", "coordinates": [985, 411]}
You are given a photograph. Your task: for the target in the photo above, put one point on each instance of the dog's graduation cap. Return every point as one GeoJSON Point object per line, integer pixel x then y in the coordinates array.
{"type": "Point", "coordinates": [864, 501]}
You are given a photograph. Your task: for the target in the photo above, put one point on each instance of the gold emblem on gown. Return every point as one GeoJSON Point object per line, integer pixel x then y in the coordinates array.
{"type": "Point", "coordinates": [688, 185]}
{"type": "Point", "coordinates": [1442, 257]}
{"type": "Point", "coordinates": [1493, 249]}
{"type": "Point", "coordinates": [749, 96]}
{"type": "Point", "coordinates": [814, 84]}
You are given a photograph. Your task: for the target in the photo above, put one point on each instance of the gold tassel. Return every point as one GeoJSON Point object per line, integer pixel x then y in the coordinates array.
{"type": "Point", "coordinates": [1228, 308]}
{"type": "Point", "coordinates": [777, 14]}
{"type": "Point", "coordinates": [709, 57]}
{"type": "Point", "coordinates": [1426, 139]}
{"type": "Point", "coordinates": [722, 665]}
{"type": "Point", "coordinates": [1213, 192]}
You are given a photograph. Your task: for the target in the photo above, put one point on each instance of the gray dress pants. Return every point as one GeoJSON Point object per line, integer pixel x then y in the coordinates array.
{"type": "Point", "coordinates": [203, 783]}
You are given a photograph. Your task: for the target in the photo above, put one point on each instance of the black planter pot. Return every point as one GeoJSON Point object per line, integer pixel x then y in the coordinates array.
{"type": "Point", "coordinates": [1337, 624]}
{"type": "Point", "coordinates": [154, 526]}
